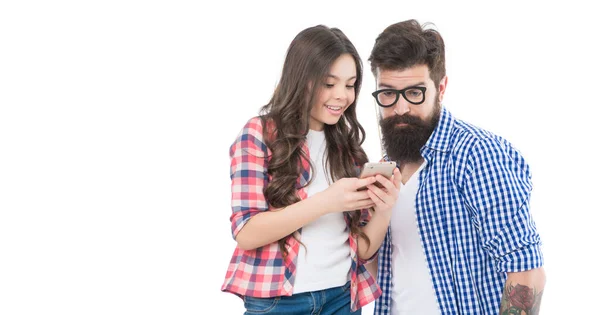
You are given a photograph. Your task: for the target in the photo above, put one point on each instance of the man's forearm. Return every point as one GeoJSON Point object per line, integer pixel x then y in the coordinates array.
{"type": "Point", "coordinates": [523, 292]}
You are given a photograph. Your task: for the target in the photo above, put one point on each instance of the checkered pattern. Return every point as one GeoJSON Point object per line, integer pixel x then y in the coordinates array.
{"type": "Point", "coordinates": [263, 272]}
{"type": "Point", "coordinates": [473, 217]}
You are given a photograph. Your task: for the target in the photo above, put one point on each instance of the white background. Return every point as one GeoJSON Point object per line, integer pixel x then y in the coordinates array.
{"type": "Point", "coordinates": [116, 119]}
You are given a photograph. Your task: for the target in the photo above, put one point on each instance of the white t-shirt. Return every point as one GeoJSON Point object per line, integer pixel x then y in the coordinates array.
{"type": "Point", "coordinates": [412, 289]}
{"type": "Point", "coordinates": [325, 263]}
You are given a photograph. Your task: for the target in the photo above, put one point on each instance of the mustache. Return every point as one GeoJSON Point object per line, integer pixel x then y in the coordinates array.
{"type": "Point", "coordinates": [391, 121]}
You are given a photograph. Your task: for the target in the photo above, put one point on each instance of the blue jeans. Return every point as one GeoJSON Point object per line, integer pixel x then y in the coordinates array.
{"type": "Point", "coordinates": [332, 301]}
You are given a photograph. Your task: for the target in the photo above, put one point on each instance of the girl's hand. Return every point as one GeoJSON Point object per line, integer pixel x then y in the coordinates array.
{"type": "Point", "coordinates": [343, 195]}
{"type": "Point", "coordinates": [385, 198]}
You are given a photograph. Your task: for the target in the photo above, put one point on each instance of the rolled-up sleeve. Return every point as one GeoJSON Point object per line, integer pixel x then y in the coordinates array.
{"type": "Point", "coordinates": [498, 191]}
{"type": "Point", "coordinates": [248, 171]}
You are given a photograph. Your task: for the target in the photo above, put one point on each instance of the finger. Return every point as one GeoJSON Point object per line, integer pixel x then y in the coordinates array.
{"type": "Point", "coordinates": [388, 184]}
{"type": "Point", "coordinates": [380, 193]}
{"type": "Point", "coordinates": [388, 197]}
{"type": "Point", "coordinates": [359, 195]}
{"type": "Point", "coordinates": [365, 181]}
{"type": "Point", "coordinates": [363, 204]}
{"type": "Point", "coordinates": [397, 177]}
{"type": "Point", "coordinates": [378, 202]}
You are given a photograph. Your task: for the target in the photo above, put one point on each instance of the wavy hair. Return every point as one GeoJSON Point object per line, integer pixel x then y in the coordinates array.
{"type": "Point", "coordinates": [308, 61]}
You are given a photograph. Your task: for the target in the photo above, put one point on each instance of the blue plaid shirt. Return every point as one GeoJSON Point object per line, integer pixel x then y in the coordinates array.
{"type": "Point", "coordinates": [472, 210]}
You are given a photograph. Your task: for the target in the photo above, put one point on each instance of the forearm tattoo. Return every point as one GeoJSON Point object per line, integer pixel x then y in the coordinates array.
{"type": "Point", "coordinates": [520, 300]}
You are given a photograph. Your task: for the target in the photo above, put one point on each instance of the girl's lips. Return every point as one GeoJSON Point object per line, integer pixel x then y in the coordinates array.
{"type": "Point", "coordinates": [335, 110]}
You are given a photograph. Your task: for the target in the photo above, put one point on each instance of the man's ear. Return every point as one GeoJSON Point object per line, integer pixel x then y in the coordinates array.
{"type": "Point", "coordinates": [442, 88]}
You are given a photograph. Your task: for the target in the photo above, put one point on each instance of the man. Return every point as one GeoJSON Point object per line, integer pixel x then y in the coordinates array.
{"type": "Point", "coordinates": [461, 239]}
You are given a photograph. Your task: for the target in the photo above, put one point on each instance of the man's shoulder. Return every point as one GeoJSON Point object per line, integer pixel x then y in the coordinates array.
{"type": "Point", "coordinates": [473, 142]}
{"type": "Point", "coordinates": [468, 135]}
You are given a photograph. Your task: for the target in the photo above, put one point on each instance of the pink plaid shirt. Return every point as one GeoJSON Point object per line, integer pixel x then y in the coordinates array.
{"type": "Point", "coordinates": [263, 272]}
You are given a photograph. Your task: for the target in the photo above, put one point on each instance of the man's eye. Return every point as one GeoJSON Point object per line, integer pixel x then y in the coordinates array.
{"type": "Point", "coordinates": [350, 86]}
{"type": "Point", "coordinates": [414, 93]}
{"type": "Point", "coordinates": [328, 85]}
{"type": "Point", "coordinates": [388, 93]}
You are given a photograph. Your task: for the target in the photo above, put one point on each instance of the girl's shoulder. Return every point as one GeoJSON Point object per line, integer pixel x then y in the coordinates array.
{"type": "Point", "coordinates": [256, 125]}
{"type": "Point", "coordinates": [251, 137]}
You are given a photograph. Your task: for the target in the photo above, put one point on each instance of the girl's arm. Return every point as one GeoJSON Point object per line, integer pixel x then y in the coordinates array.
{"type": "Point", "coordinates": [269, 226]}
{"type": "Point", "coordinates": [377, 227]}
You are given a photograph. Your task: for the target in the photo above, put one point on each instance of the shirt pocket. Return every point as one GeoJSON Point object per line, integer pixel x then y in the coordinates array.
{"type": "Point", "coordinates": [260, 305]}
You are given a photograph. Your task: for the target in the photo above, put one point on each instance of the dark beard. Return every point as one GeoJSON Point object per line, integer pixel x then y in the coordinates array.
{"type": "Point", "coordinates": [403, 144]}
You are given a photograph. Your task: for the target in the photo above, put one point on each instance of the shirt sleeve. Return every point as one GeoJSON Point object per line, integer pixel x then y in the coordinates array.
{"type": "Point", "coordinates": [361, 261]}
{"type": "Point", "coordinates": [248, 171]}
{"type": "Point", "coordinates": [498, 189]}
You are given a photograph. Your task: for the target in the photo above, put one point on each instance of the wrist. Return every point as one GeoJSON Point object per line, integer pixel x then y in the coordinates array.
{"type": "Point", "coordinates": [320, 204]}
{"type": "Point", "coordinates": [381, 215]}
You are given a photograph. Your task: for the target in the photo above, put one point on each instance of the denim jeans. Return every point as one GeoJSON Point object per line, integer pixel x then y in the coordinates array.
{"type": "Point", "coordinates": [332, 301]}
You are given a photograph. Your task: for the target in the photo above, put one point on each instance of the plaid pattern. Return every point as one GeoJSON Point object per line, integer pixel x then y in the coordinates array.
{"type": "Point", "coordinates": [473, 217]}
{"type": "Point", "coordinates": [263, 272]}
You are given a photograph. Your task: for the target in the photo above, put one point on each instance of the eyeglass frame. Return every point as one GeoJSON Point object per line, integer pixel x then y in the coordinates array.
{"type": "Point", "coordinates": [398, 92]}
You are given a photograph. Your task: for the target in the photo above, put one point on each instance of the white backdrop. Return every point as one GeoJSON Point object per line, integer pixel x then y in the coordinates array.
{"type": "Point", "coordinates": [116, 118]}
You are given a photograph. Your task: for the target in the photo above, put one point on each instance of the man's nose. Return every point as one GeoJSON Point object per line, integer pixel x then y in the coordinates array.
{"type": "Point", "coordinates": [401, 107]}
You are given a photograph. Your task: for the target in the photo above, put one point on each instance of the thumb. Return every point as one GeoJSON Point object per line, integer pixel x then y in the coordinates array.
{"type": "Point", "coordinates": [397, 177]}
{"type": "Point", "coordinates": [362, 182]}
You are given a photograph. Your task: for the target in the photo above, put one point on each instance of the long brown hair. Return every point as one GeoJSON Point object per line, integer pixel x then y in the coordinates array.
{"type": "Point", "coordinates": [308, 61]}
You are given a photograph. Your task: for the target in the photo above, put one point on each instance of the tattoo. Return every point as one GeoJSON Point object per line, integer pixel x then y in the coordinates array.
{"type": "Point", "coordinates": [520, 300]}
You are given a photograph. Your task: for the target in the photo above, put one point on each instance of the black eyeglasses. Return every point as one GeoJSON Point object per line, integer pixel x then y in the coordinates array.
{"type": "Point", "coordinates": [388, 97]}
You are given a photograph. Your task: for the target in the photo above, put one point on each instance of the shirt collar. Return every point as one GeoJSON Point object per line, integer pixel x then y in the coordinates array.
{"type": "Point", "coordinates": [440, 138]}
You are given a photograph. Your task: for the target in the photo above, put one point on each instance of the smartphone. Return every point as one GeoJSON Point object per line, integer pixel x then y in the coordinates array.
{"type": "Point", "coordinates": [386, 169]}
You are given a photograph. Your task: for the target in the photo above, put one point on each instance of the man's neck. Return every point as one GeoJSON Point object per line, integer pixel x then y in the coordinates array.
{"type": "Point", "coordinates": [408, 169]}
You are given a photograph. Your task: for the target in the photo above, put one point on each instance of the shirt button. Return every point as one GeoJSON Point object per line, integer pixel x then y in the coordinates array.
{"type": "Point", "coordinates": [385, 307]}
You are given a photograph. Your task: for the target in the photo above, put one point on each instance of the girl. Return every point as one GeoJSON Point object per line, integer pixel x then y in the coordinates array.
{"type": "Point", "coordinates": [298, 219]}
